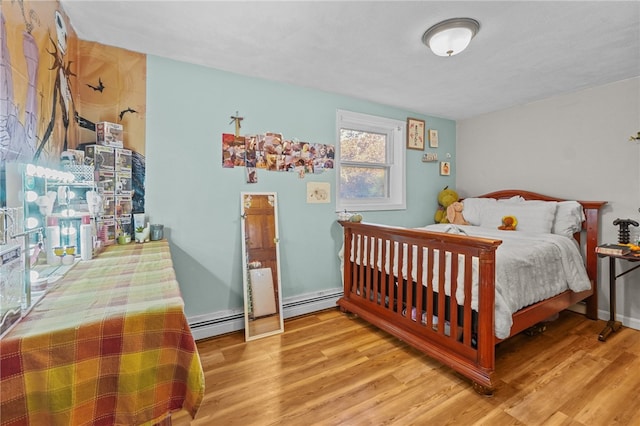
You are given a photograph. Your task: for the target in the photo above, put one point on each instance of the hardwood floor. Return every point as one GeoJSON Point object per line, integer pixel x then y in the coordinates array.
{"type": "Point", "coordinates": [332, 369]}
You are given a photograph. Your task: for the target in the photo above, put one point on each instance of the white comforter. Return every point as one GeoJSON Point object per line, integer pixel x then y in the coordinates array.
{"type": "Point", "coordinates": [529, 268]}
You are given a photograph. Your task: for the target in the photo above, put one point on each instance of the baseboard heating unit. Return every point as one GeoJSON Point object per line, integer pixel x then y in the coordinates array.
{"type": "Point", "coordinates": [222, 322]}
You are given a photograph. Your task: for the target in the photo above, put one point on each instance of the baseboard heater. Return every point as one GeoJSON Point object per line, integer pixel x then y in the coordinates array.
{"type": "Point", "coordinates": [222, 322]}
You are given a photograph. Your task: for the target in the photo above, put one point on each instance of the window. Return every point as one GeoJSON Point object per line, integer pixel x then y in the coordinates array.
{"type": "Point", "coordinates": [370, 162]}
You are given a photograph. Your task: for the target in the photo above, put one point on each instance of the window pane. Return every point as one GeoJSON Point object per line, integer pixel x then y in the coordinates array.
{"type": "Point", "coordinates": [362, 182]}
{"type": "Point", "coordinates": [362, 146]}
{"type": "Point", "coordinates": [370, 159]}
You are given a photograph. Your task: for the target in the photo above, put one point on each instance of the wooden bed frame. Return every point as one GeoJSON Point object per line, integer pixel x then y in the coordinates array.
{"type": "Point", "coordinates": [467, 344]}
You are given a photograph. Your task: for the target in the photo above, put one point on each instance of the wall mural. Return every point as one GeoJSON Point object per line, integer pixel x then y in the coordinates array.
{"type": "Point", "coordinates": [55, 87]}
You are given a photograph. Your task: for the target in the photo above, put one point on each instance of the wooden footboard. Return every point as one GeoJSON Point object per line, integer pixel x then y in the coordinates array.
{"type": "Point", "coordinates": [434, 320]}
{"type": "Point", "coordinates": [382, 266]}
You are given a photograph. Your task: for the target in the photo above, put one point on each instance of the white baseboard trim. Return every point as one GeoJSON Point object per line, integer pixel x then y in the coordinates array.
{"type": "Point", "coordinates": [222, 322]}
{"type": "Point", "coordinates": [605, 315]}
{"type": "Point", "coordinates": [626, 321]}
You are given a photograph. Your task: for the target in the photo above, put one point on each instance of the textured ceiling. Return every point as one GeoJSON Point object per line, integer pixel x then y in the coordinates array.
{"type": "Point", "coordinates": [525, 51]}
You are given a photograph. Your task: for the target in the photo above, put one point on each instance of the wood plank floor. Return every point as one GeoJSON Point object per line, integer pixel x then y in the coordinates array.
{"type": "Point", "coordinates": [329, 368]}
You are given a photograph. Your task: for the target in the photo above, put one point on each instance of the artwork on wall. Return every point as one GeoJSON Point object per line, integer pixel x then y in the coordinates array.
{"type": "Point", "coordinates": [252, 175]}
{"type": "Point", "coordinates": [272, 152]}
{"type": "Point", "coordinates": [112, 87]}
{"type": "Point", "coordinates": [433, 138]}
{"type": "Point", "coordinates": [36, 76]}
{"type": "Point", "coordinates": [56, 87]}
{"type": "Point", "coordinates": [318, 192]}
{"type": "Point", "coordinates": [430, 157]}
{"type": "Point", "coordinates": [233, 150]}
{"type": "Point", "coordinates": [445, 168]}
{"type": "Point", "coordinates": [415, 133]}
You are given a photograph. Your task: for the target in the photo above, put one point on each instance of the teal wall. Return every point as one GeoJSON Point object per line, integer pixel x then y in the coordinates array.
{"type": "Point", "coordinates": [198, 201]}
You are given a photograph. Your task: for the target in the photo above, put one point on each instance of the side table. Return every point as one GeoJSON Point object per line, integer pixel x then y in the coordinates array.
{"type": "Point", "coordinates": [612, 324]}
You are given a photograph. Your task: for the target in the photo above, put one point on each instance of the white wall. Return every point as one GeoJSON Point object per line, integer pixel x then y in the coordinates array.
{"type": "Point", "coordinates": [572, 146]}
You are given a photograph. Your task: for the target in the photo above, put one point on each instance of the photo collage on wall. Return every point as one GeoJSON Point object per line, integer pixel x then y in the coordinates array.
{"type": "Point", "coordinates": [271, 152]}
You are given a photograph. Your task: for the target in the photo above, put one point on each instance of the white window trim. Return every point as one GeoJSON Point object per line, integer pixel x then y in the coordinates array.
{"type": "Point", "coordinates": [397, 176]}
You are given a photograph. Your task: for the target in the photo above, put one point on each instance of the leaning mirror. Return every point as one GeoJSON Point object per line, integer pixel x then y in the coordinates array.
{"type": "Point", "coordinates": [261, 263]}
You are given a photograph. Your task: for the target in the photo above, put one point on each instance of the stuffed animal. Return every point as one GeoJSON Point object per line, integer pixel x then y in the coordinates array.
{"type": "Point", "coordinates": [441, 215]}
{"type": "Point", "coordinates": [454, 214]}
{"type": "Point", "coordinates": [509, 223]}
{"type": "Point", "coordinates": [446, 197]}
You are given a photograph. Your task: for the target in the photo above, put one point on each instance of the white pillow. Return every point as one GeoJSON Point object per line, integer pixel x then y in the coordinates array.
{"type": "Point", "coordinates": [569, 218]}
{"type": "Point", "coordinates": [532, 217]}
{"type": "Point", "coordinates": [472, 208]}
{"type": "Point", "coordinates": [514, 199]}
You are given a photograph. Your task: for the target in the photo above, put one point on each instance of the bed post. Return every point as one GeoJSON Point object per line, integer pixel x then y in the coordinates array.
{"type": "Point", "coordinates": [486, 320]}
{"type": "Point", "coordinates": [346, 263]}
{"type": "Point", "coordinates": [592, 214]}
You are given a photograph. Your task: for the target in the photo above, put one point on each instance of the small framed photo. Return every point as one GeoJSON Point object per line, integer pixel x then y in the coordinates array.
{"type": "Point", "coordinates": [433, 138]}
{"type": "Point", "coordinates": [415, 133]}
{"type": "Point", "coordinates": [445, 168]}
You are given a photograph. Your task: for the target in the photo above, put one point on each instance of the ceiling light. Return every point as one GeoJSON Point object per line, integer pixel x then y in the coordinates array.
{"type": "Point", "coordinates": [450, 37]}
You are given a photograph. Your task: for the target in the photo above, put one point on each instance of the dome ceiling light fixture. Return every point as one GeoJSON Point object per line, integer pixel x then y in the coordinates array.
{"type": "Point", "coordinates": [450, 37]}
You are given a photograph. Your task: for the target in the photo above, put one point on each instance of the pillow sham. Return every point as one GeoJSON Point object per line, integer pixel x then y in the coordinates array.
{"type": "Point", "coordinates": [569, 218]}
{"type": "Point", "coordinates": [532, 217]}
{"type": "Point", "coordinates": [472, 208]}
{"type": "Point", "coordinates": [514, 199]}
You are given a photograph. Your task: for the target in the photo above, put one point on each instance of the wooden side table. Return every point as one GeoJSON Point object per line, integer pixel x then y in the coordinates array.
{"type": "Point", "coordinates": [612, 324]}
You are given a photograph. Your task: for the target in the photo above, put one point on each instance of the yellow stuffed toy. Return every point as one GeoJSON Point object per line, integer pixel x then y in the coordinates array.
{"type": "Point", "coordinates": [509, 223]}
{"type": "Point", "coordinates": [446, 197]}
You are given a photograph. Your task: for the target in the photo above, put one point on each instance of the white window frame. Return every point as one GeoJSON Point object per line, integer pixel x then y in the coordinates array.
{"type": "Point", "coordinates": [395, 131]}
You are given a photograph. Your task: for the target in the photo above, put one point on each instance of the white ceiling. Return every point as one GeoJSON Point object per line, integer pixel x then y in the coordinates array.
{"type": "Point", "coordinates": [525, 50]}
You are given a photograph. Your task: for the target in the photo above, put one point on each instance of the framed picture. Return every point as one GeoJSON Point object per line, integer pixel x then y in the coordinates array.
{"type": "Point", "coordinates": [415, 133]}
{"type": "Point", "coordinates": [445, 168]}
{"type": "Point", "coordinates": [433, 138]}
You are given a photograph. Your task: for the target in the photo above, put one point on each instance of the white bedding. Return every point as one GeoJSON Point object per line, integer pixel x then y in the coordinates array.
{"type": "Point", "coordinates": [529, 268]}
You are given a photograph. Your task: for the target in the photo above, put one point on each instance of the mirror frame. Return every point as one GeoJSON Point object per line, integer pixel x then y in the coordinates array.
{"type": "Point", "coordinates": [245, 266]}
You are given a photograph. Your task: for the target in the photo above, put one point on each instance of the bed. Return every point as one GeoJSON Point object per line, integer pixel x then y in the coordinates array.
{"type": "Point", "coordinates": [452, 291]}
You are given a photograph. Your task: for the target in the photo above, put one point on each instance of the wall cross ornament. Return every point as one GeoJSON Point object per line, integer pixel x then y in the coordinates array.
{"type": "Point", "coordinates": [237, 119]}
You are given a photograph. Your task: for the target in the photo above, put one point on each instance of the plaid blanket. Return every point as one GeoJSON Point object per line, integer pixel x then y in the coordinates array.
{"type": "Point", "coordinates": [108, 345]}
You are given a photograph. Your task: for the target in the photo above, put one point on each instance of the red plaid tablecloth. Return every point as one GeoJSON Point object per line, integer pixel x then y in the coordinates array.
{"type": "Point", "coordinates": [108, 345]}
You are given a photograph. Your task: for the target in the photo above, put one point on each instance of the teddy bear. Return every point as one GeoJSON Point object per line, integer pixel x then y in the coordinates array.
{"type": "Point", "coordinates": [509, 223]}
{"type": "Point", "coordinates": [446, 197]}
